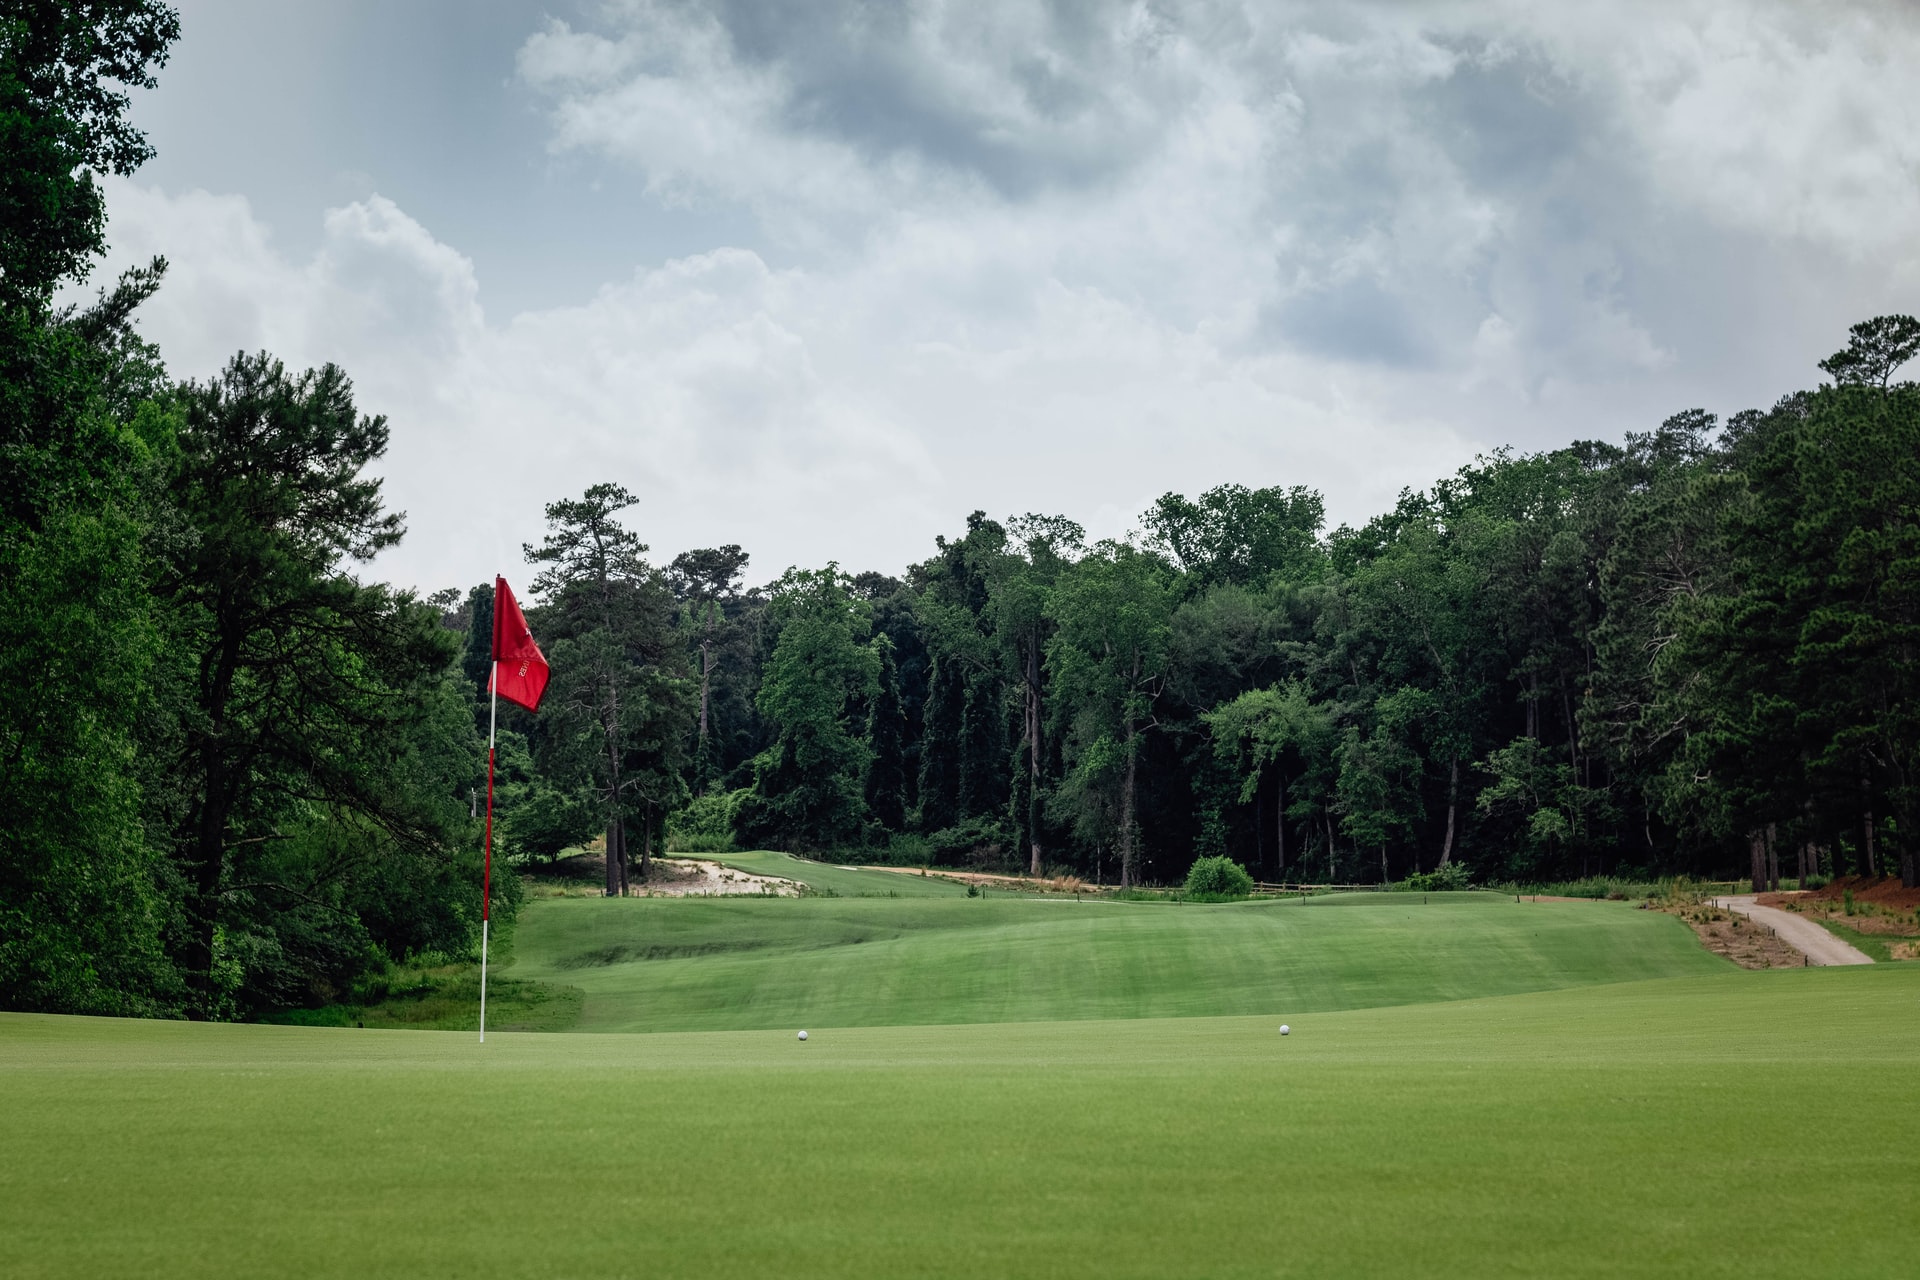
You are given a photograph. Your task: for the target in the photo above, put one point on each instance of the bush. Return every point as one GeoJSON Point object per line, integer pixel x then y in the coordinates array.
{"type": "Point", "coordinates": [979, 842]}
{"type": "Point", "coordinates": [1218, 877]}
{"type": "Point", "coordinates": [706, 825]}
{"type": "Point", "coordinates": [699, 844]}
{"type": "Point", "coordinates": [1445, 879]}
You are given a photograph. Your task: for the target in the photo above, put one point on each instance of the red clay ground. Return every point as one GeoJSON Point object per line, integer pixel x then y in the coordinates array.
{"type": "Point", "coordinates": [1880, 908]}
{"type": "Point", "coordinates": [1884, 892]}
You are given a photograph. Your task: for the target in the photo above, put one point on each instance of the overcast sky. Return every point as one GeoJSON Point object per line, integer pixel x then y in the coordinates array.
{"type": "Point", "coordinates": [820, 279]}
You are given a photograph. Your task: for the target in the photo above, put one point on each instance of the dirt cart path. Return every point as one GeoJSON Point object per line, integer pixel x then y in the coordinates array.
{"type": "Point", "coordinates": [1820, 946]}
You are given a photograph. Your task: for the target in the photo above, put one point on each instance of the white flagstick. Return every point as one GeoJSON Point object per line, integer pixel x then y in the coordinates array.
{"type": "Point", "coordinates": [493, 722]}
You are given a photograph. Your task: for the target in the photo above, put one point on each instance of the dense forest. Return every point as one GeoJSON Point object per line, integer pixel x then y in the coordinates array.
{"type": "Point", "coordinates": [236, 775]}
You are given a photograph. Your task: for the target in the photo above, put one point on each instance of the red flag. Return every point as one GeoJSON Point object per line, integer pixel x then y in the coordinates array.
{"type": "Point", "coordinates": [520, 669]}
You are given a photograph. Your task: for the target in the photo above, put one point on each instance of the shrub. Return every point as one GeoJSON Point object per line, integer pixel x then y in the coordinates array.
{"type": "Point", "coordinates": [1218, 877]}
{"type": "Point", "coordinates": [684, 843]}
{"type": "Point", "coordinates": [979, 842]}
{"type": "Point", "coordinates": [1440, 880]}
{"type": "Point", "coordinates": [706, 824]}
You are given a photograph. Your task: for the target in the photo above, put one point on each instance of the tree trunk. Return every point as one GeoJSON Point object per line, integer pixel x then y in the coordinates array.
{"type": "Point", "coordinates": [1259, 829]}
{"type": "Point", "coordinates": [646, 843]}
{"type": "Point", "coordinates": [1773, 861]}
{"type": "Point", "coordinates": [706, 675]}
{"type": "Point", "coordinates": [1869, 864]}
{"type": "Point", "coordinates": [616, 821]}
{"type": "Point", "coordinates": [1386, 877]}
{"type": "Point", "coordinates": [209, 858]}
{"type": "Point", "coordinates": [1033, 754]}
{"type": "Point", "coordinates": [1126, 815]}
{"type": "Point", "coordinates": [1453, 803]}
{"type": "Point", "coordinates": [1330, 872]}
{"type": "Point", "coordinates": [1757, 851]}
{"type": "Point", "coordinates": [1280, 826]}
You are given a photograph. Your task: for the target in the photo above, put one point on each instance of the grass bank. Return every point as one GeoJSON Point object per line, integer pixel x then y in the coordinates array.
{"type": "Point", "coordinates": [735, 963]}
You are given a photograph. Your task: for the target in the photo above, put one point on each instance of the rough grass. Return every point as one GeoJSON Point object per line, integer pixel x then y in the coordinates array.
{"type": "Point", "coordinates": [1595, 1132]}
{"type": "Point", "coordinates": [1876, 946]}
{"type": "Point", "coordinates": [734, 963]}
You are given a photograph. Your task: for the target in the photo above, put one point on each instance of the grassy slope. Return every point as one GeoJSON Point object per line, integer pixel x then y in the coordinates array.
{"type": "Point", "coordinates": [850, 882]}
{"type": "Point", "coordinates": [1878, 946]}
{"type": "Point", "coordinates": [722, 963]}
{"type": "Point", "coordinates": [1592, 1132]}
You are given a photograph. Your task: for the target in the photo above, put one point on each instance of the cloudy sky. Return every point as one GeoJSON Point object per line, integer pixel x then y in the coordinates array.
{"type": "Point", "coordinates": [821, 279]}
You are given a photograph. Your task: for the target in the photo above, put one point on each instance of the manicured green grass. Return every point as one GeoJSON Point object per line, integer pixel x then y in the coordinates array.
{"type": "Point", "coordinates": [846, 882]}
{"type": "Point", "coordinates": [448, 999]}
{"type": "Point", "coordinates": [735, 963]}
{"type": "Point", "coordinates": [1657, 1129]}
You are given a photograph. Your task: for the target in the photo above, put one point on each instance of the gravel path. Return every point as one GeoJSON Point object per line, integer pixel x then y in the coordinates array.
{"type": "Point", "coordinates": [1821, 947]}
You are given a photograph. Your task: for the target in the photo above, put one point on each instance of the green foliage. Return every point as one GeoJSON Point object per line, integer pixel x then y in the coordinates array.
{"type": "Point", "coordinates": [977, 842]}
{"type": "Point", "coordinates": [707, 823]}
{"type": "Point", "coordinates": [64, 72]}
{"type": "Point", "coordinates": [1218, 878]}
{"type": "Point", "coordinates": [809, 785]}
{"type": "Point", "coordinates": [1451, 878]}
{"type": "Point", "coordinates": [1233, 534]}
{"type": "Point", "coordinates": [616, 710]}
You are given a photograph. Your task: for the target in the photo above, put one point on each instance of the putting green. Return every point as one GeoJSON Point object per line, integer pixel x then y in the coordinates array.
{"type": "Point", "coordinates": [736, 963]}
{"type": "Point", "coordinates": [1665, 1128]}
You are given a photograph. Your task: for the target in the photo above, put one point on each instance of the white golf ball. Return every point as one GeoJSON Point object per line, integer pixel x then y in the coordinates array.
{"type": "Point", "coordinates": [1284, 1030]}
{"type": "Point", "coordinates": [803, 1035]}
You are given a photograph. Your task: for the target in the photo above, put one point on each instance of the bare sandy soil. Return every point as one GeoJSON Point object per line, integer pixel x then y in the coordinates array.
{"type": "Point", "coordinates": [697, 877]}
{"type": "Point", "coordinates": [585, 876]}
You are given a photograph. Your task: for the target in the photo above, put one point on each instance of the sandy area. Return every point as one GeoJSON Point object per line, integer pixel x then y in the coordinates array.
{"type": "Point", "coordinates": [696, 877]}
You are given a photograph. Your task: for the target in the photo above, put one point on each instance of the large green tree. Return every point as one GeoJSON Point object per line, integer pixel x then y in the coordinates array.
{"type": "Point", "coordinates": [293, 689]}
{"type": "Point", "coordinates": [84, 903]}
{"type": "Point", "coordinates": [823, 672]}
{"type": "Point", "coordinates": [620, 697]}
{"type": "Point", "coordinates": [1108, 658]}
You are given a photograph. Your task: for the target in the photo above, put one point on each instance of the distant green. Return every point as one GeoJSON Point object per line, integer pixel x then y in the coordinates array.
{"type": "Point", "coordinates": [1605, 1131]}
{"type": "Point", "coordinates": [745, 962]}
{"type": "Point", "coordinates": [847, 882]}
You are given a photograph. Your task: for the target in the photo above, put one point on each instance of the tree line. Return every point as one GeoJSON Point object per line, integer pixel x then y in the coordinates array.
{"type": "Point", "coordinates": [236, 775]}
{"type": "Point", "coordinates": [1691, 652]}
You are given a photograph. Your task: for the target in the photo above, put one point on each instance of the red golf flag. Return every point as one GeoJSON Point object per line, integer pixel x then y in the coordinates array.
{"type": "Point", "coordinates": [521, 671]}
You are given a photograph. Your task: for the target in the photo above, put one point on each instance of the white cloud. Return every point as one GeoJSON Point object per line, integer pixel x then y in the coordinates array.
{"type": "Point", "coordinates": [1015, 261]}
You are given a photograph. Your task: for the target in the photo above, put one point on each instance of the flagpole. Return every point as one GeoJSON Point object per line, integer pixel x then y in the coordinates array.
{"type": "Point", "coordinates": [486, 875]}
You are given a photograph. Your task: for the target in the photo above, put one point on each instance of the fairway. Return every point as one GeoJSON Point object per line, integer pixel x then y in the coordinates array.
{"type": "Point", "coordinates": [1590, 1132]}
{"type": "Point", "coordinates": [740, 963]}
